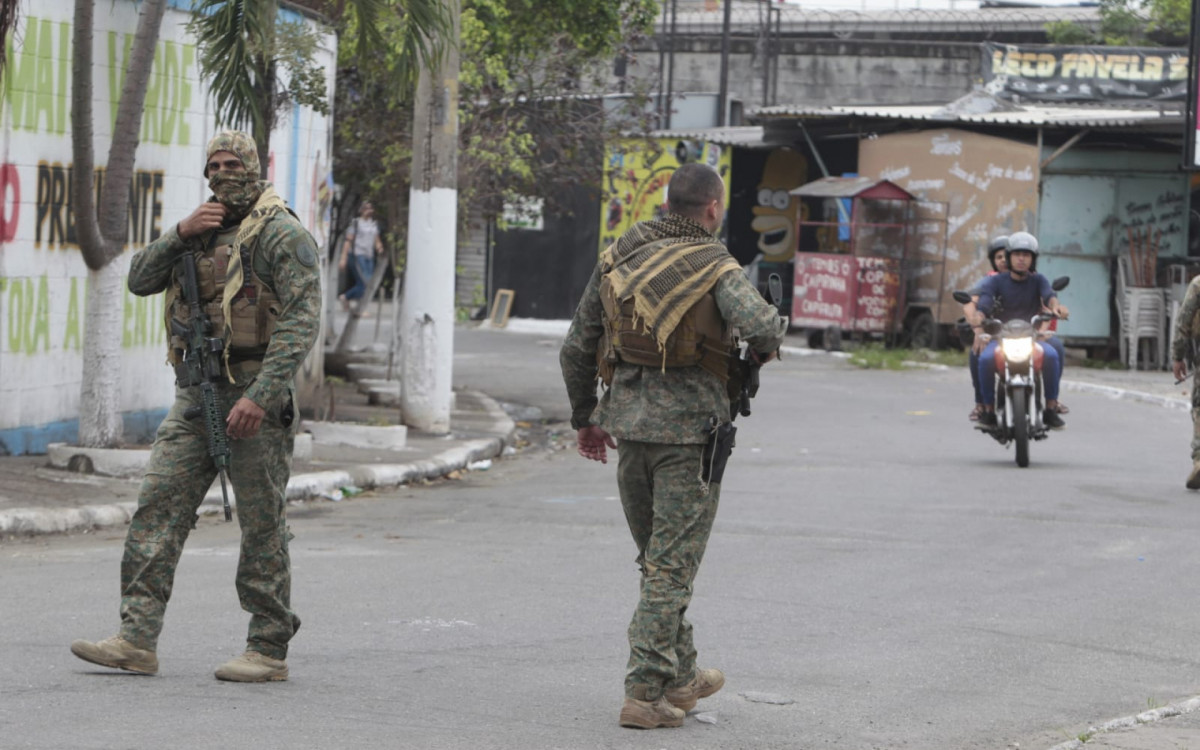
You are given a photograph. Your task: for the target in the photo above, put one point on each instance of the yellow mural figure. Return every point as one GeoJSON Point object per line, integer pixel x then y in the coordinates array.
{"type": "Point", "coordinates": [636, 175]}
{"type": "Point", "coordinates": [776, 214]}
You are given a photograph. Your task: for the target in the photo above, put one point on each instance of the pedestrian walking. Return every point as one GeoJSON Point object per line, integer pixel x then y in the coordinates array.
{"type": "Point", "coordinates": [259, 282]}
{"type": "Point", "coordinates": [655, 325]}
{"type": "Point", "coordinates": [1183, 354]}
{"type": "Point", "coordinates": [362, 245]}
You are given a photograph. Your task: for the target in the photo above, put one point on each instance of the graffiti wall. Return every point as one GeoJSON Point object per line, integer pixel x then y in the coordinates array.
{"type": "Point", "coordinates": [989, 187]}
{"type": "Point", "coordinates": [636, 173]}
{"type": "Point", "coordinates": [43, 279]}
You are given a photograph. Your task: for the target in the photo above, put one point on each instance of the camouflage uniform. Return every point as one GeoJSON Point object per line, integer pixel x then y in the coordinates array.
{"type": "Point", "coordinates": [661, 419]}
{"type": "Point", "coordinates": [1186, 332]}
{"type": "Point", "coordinates": [180, 470]}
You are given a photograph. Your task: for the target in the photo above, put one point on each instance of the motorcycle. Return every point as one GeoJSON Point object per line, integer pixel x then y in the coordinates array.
{"type": "Point", "coordinates": [1020, 400]}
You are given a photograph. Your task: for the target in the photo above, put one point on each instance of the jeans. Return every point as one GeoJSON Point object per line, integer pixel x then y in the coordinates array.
{"type": "Point", "coordinates": [363, 268]}
{"type": "Point", "coordinates": [1051, 371]}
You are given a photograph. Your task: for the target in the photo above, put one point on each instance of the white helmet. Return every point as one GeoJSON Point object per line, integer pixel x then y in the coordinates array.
{"type": "Point", "coordinates": [1022, 242]}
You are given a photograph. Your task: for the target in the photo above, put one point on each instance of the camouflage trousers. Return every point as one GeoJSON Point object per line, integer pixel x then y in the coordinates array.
{"type": "Point", "coordinates": [1195, 418]}
{"type": "Point", "coordinates": [179, 474]}
{"type": "Point", "coordinates": [670, 516]}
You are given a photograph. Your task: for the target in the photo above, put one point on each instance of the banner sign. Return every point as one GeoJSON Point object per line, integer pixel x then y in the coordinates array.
{"type": "Point", "coordinates": [1085, 74]}
{"type": "Point", "coordinates": [1191, 123]}
{"type": "Point", "coordinates": [852, 293]}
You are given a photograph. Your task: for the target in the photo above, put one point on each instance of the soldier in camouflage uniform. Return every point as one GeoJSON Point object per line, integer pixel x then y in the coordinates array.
{"type": "Point", "coordinates": [654, 325]}
{"type": "Point", "coordinates": [1183, 352]}
{"type": "Point", "coordinates": [259, 282]}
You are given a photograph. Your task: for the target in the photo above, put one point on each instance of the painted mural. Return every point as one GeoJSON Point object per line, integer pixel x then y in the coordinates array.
{"type": "Point", "coordinates": [636, 173]}
{"type": "Point", "coordinates": [989, 187]}
{"type": "Point", "coordinates": [42, 274]}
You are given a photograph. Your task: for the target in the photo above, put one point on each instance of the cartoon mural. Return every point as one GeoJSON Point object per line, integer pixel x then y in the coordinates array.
{"type": "Point", "coordinates": [636, 176]}
{"type": "Point", "coordinates": [776, 212]}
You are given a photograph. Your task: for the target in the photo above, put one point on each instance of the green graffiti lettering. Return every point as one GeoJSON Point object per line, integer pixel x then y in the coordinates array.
{"type": "Point", "coordinates": [41, 321]}
{"type": "Point", "coordinates": [71, 338]}
{"type": "Point", "coordinates": [142, 324]}
{"type": "Point", "coordinates": [44, 97]}
{"type": "Point", "coordinates": [64, 65]}
{"type": "Point", "coordinates": [20, 80]}
{"type": "Point", "coordinates": [16, 301]}
{"type": "Point", "coordinates": [170, 109]}
{"type": "Point", "coordinates": [185, 94]}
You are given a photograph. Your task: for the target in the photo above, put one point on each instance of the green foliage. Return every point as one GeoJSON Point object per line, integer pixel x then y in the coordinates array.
{"type": "Point", "coordinates": [1130, 23]}
{"type": "Point", "coordinates": [1069, 33]}
{"type": "Point", "coordinates": [875, 356]}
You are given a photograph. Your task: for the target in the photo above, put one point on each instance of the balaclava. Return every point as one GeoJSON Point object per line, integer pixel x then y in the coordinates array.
{"type": "Point", "coordinates": [237, 191]}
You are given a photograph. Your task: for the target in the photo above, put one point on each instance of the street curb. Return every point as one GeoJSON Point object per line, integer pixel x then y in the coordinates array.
{"type": "Point", "coordinates": [36, 521]}
{"type": "Point", "coordinates": [1129, 722]}
{"type": "Point", "coordinates": [1125, 394]}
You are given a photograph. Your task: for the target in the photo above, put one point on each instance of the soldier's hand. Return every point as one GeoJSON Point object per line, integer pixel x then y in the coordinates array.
{"type": "Point", "coordinates": [1180, 369]}
{"type": "Point", "coordinates": [592, 442]}
{"type": "Point", "coordinates": [208, 216]}
{"type": "Point", "coordinates": [244, 419]}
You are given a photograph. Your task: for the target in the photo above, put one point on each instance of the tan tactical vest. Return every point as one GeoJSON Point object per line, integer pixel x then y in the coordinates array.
{"type": "Point", "coordinates": [253, 312]}
{"type": "Point", "coordinates": [701, 338]}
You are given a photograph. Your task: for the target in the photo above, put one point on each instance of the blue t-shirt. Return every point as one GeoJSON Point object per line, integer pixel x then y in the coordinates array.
{"type": "Point", "coordinates": [1018, 299]}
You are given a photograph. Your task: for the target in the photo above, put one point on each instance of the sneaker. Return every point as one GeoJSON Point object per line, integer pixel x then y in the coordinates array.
{"type": "Point", "coordinates": [1193, 480]}
{"type": "Point", "coordinates": [253, 667]}
{"type": "Point", "coordinates": [1051, 419]}
{"type": "Point", "coordinates": [118, 653]}
{"type": "Point", "coordinates": [637, 714]}
{"type": "Point", "coordinates": [987, 419]}
{"type": "Point", "coordinates": [705, 683]}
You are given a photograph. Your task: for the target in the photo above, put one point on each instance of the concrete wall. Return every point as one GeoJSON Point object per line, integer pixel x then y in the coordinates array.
{"type": "Point", "coordinates": [43, 278]}
{"type": "Point", "coordinates": [822, 72]}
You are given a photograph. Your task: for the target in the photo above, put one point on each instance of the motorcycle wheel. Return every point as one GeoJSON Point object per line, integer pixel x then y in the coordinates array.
{"type": "Point", "coordinates": [1020, 412]}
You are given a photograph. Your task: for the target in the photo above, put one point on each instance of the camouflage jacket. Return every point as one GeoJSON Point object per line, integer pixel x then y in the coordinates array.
{"type": "Point", "coordinates": [650, 404]}
{"type": "Point", "coordinates": [1185, 331]}
{"type": "Point", "coordinates": [286, 260]}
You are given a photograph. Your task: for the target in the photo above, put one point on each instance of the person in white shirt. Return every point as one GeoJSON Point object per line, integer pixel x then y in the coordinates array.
{"type": "Point", "coordinates": [363, 243]}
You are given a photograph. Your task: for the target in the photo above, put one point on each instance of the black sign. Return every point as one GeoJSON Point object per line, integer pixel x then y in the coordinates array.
{"type": "Point", "coordinates": [1085, 74]}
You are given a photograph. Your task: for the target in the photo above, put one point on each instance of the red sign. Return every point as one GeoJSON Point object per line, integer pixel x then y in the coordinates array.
{"type": "Point", "coordinates": [855, 294]}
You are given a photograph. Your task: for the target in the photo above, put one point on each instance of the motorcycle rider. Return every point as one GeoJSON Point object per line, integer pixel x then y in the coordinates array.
{"type": "Point", "coordinates": [1026, 293]}
{"type": "Point", "coordinates": [995, 254]}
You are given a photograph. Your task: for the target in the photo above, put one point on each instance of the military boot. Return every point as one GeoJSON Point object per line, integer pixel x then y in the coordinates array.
{"type": "Point", "coordinates": [118, 653]}
{"type": "Point", "coordinates": [1193, 480]}
{"type": "Point", "coordinates": [253, 667]}
{"type": "Point", "coordinates": [705, 683]}
{"type": "Point", "coordinates": [637, 714]}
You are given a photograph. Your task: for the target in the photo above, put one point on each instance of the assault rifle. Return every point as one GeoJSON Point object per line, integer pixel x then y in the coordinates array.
{"type": "Point", "coordinates": [747, 366]}
{"type": "Point", "coordinates": [201, 366]}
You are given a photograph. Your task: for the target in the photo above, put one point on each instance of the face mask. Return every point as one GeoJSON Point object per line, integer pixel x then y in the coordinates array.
{"type": "Point", "coordinates": [237, 191]}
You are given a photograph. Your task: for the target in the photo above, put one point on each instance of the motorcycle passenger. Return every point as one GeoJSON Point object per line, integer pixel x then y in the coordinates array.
{"type": "Point", "coordinates": [1026, 293]}
{"type": "Point", "coordinates": [995, 254]}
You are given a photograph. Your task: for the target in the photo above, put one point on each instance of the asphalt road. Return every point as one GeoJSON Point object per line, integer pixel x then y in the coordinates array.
{"type": "Point", "coordinates": [876, 563]}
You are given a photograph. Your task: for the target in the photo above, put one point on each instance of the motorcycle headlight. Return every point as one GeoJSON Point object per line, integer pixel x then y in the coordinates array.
{"type": "Point", "coordinates": [1017, 350]}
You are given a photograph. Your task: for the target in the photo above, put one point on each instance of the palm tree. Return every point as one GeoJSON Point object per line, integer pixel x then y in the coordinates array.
{"type": "Point", "coordinates": [243, 44]}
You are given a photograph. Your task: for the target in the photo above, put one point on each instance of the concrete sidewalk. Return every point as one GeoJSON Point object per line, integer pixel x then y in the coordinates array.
{"type": "Point", "coordinates": [37, 497]}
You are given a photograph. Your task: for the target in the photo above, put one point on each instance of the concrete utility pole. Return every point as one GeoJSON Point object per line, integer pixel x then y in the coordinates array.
{"type": "Point", "coordinates": [427, 306]}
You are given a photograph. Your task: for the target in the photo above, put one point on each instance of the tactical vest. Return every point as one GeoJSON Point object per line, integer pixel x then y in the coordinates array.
{"type": "Point", "coordinates": [253, 312]}
{"type": "Point", "coordinates": [701, 338]}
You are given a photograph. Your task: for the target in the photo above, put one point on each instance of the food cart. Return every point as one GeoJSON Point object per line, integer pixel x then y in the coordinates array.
{"type": "Point", "coordinates": [861, 244]}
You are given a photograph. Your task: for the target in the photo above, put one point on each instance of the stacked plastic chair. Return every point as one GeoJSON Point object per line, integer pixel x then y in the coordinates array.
{"type": "Point", "coordinates": [1143, 316]}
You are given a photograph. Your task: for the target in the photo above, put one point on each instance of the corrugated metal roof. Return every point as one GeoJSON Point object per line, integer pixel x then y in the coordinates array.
{"type": "Point", "coordinates": [748, 136]}
{"type": "Point", "coordinates": [1030, 115]}
{"type": "Point", "coordinates": [842, 187]}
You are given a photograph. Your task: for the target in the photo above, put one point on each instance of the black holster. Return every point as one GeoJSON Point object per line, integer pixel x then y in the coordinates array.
{"type": "Point", "coordinates": [716, 452]}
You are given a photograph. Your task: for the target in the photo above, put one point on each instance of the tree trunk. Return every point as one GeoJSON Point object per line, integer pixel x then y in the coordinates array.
{"type": "Point", "coordinates": [100, 423]}
{"type": "Point", "coordinates": [101, 241]}
{"type": "Point", "coordinates": [427, 306]}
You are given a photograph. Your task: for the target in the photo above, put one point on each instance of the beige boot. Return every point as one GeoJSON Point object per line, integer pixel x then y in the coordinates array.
{"type": "Point", "coordinates": [637, 714]}
{"type": "Point", "coordinates": [118, 653]}
{"type": "Point", "coordinates": [253, 667]}
{"type": "Point", "coordinates": [1193, 480]}
{"type": "Point", "coordinates": [705, 683]}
